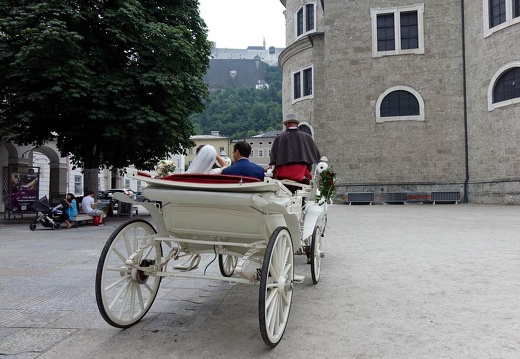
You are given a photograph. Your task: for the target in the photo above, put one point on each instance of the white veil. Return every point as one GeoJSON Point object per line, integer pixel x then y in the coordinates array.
{"type": "Point", "coordinates": [204, 160]}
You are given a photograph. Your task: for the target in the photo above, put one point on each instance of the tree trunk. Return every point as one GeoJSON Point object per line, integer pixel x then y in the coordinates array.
{"type": "Point", "coordinates": [91, 180]}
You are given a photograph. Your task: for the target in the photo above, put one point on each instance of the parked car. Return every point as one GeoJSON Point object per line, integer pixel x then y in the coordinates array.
{"type": "Point", "coordinates": [140, 197]}
{"type": "Point", "coordinates": [106, 196]}
{"type": "Point", "coordinates": [109, 192]}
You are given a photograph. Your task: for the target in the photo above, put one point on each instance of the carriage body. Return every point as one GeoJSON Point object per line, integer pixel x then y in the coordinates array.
{"type": "Point", "coordinates": [254, 228]}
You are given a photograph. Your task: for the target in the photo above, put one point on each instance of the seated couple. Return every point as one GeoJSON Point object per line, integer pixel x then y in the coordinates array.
{"type": "Point", "coordinates": [207, 156]}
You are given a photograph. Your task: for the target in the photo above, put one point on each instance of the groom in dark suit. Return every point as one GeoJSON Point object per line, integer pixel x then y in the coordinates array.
{"type": "Point", "coordinates": [242, 166]}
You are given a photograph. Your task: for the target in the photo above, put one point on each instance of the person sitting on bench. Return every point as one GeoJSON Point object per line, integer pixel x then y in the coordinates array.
{"type": "Point", "coordinates": [88, 206]}
{"type": "Point", "coordinates": [71, 208]}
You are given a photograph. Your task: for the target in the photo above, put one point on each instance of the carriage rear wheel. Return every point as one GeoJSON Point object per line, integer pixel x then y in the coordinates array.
{"type": "Point", "coordinates": [316, 254]}
{"type": "Point", "coordinates": [56, 225]}
{"type": "Point", "coordinates": [125, 294]}
{"type": "Point", "coordinates": [227, 264]}
{"type": "Point", "coordinates": [276, 286]}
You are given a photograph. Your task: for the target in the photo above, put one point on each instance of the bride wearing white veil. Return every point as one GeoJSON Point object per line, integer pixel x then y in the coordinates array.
{"type": "Point", "coordinates": [204, 161]}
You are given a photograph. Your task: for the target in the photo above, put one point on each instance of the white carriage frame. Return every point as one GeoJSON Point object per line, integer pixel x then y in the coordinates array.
{"type": "Point", "coordinates": [242, 223]}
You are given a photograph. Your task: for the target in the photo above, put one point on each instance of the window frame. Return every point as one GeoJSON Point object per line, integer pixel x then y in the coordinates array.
{"type": "Point", "coordinates": [417, 95]}
{"type": "Point", "coordinates": [511, 17]}
{"type": "Point", "coordinates": [396, 11]}
{"type": "Point", "coordinates": [305, 19]}
{"type": "Point", "coordinates": [491, 87]}
{"type": "Point", "coordinates": [78, 184]}
{"type": "Point", "coordinates": [302, 82]}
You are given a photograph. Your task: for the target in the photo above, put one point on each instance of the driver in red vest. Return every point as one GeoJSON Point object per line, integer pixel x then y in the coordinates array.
{"type": "Point", "coordinates": [293, 152]}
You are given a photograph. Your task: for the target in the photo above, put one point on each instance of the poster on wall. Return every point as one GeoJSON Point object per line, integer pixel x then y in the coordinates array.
{"type": "Point", "coordinates": [24, 189]}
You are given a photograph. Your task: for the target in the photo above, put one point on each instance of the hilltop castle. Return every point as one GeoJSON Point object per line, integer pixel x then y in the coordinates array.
{"type": "Point", "coordinates": [231, 68]}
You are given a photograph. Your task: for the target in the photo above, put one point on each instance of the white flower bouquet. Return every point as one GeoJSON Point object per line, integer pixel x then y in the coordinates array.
{"type": "Point", "coordinates": [165, 168]}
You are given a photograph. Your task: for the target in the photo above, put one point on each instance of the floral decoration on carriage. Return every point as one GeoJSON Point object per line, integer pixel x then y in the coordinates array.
{"type": "Point", "coordinates": [165, 168]}
{"type": "Point", "coordinates": [326, 188]}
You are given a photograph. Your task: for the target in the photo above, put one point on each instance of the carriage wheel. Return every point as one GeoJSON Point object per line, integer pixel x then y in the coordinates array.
{"type": "Point", "coordinates": [56, 225]}
{"type": "Point", "coordinates": [276, 286]}
{"type": "Point", "coordinates": [125, 295]}
{"type": "Point", "coordinates": [32, 226]}
{"type": "Point", "coordinates": [316, 254]}
{"type": "Point", "coordinates": [227, 264]}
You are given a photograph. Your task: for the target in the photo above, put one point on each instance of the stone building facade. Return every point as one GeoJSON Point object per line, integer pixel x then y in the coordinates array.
{"type": "Point", "coordinates": [406, 97]}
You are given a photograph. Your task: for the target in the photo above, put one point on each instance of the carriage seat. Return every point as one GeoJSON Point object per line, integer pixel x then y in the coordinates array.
{"type": "Point", "coordinates": [205, 178]}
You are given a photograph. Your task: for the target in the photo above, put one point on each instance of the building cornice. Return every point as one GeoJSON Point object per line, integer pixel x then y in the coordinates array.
{"type": "Point", "coordinates": [302, 44]}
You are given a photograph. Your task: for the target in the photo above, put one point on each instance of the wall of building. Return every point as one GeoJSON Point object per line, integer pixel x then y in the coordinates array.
{"type": "Point", "coordinates": [493, 135]}
{"type": "Point", "coordinates": [429, 154]}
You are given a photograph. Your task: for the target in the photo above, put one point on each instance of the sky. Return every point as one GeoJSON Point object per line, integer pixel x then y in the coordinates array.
{"type": "Point", "coordinates": [237, 24]}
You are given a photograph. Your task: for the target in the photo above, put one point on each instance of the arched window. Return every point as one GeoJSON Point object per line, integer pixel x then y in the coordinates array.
{"type": "Point", "coordinates": [400, 103]}
{"type": "Point", "coordinates": [507, 86]}
{"type": "Point", "coordinates": [504, 87]}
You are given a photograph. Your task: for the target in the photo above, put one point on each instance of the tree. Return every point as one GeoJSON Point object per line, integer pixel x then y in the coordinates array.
{"type": "Point", "coordinates": [112, 82]}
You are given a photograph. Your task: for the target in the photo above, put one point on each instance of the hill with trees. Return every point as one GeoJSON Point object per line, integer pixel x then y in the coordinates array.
{"type": "Point", "coordinates": [243, 112]}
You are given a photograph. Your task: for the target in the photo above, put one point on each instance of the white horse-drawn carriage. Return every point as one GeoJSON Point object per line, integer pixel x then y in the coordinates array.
{"type": "Point", "coordinates": [254, 228]}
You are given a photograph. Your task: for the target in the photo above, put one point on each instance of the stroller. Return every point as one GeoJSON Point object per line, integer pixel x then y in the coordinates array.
{"type": "Point", "coordinates": [47, 215]}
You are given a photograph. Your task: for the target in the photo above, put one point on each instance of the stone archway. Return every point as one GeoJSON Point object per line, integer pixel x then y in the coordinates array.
{"type": "Point", "coordinates": [13, 156]}
{"type": "Point", "coordinates": [57, 170]}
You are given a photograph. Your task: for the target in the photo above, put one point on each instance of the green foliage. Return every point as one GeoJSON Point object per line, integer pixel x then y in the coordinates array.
{"type": "Point", "coordinates": [113, 82]}
{"type": "Point", "coordinates": [241, 113]}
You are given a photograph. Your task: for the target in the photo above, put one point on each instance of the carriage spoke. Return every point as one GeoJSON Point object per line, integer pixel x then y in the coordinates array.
{"type": "Point", "coordinates": [119, 254]}
{"type": "Point", "coordinates": [140, 296]}
{"type": "Point", "coordinates": [133, 290]}
{"type": "Point", "coordinates": [122, 279]}
{"type": "Point", "coordinates": [126, 242]}
{"type": "Point", "coordinates": [270, 298]}
{"type": "Point", "coordinates": [125, 299]}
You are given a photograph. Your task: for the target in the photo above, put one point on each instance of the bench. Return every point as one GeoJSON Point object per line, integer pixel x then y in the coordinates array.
{"type": "Point", "coordinates": [82, 217]}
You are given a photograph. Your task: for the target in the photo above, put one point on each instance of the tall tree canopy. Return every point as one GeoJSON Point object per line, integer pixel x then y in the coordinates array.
{"type": "Point", "coordinates": [113, 82]}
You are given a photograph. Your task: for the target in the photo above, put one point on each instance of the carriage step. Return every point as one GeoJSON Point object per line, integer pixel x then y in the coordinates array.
{"type": "Point", "coordinates": [298, 278]}
{"type": "Point", "coordinates": [190, 264]}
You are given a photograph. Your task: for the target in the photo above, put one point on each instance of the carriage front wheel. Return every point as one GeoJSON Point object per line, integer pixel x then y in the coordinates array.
{"type": "Point", "coordinates": [227, 264]}
{"type": "Point", "coordinates": [124, 294]}
{"type": "Point", "coordinates": [316, 254]}
{"type": "Point", "coordinates": [276, 286]}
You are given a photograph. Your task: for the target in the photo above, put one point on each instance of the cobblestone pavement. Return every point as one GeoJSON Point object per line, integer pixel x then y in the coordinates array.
{"type": "Point", "coordinates": [398, 281]}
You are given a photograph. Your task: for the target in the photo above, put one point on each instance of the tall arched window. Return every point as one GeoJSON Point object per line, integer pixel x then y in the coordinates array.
{"type": "Point", "coordinates": [504, 87]}
{"type": "Point", "coordinates": [400, 103]}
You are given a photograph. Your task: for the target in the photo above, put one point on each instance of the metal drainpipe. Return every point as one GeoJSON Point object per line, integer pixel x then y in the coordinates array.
{"type": "Point", "coordinates": [466, 180]}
